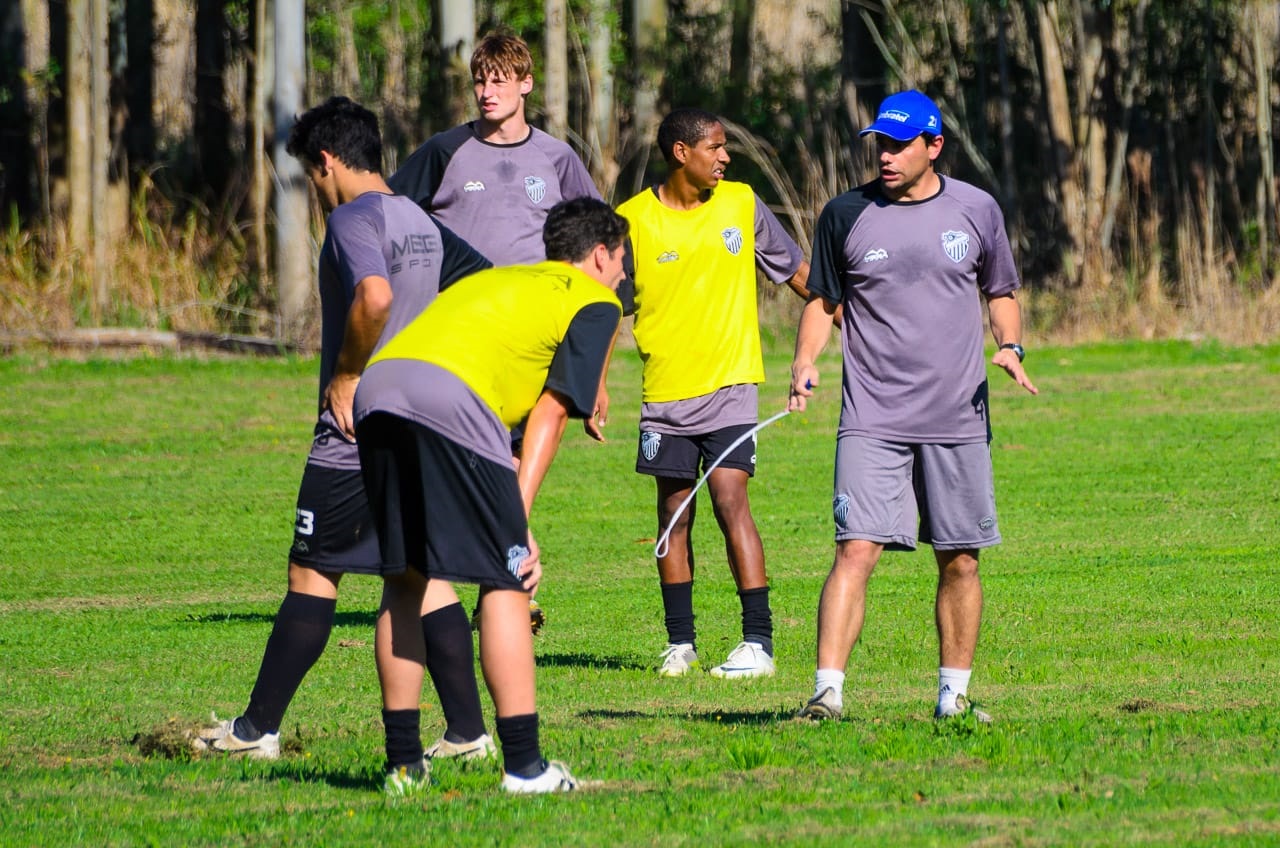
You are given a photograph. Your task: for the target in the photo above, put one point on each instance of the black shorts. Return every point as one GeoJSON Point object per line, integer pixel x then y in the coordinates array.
{"type": "Point", "coordinates": [334, 529]}
{"type": "Point", "coordinates": [439, 507]}
{"type": "Point", "coordinates": [681, 457]}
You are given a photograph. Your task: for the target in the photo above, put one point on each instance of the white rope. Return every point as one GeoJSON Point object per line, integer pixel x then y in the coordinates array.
{"type": "Point", "coordinates": [660, 549]}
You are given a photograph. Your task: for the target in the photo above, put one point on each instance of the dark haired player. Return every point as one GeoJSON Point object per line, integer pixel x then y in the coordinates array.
{"type": "Point", "coordinates": [383, 260]}
{"type": "Point", "coordinates": [909, 258]}
{"type": "Point", "coordinates": [433, 411]}
{"type": "Point", "coordinates": [697, 240]}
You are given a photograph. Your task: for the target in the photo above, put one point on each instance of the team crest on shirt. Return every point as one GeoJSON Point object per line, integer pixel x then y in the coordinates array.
{"type": "Point", "coordinates": [732, 240]}
{"type": "Point", "coordinates": [516, 554]}
{"type": "Point", "coordinates": [473, 185]}
{"type": "Point", "coordinates": [956, 244]}
{"type": "Point", "coordinates": [875, 255]}
{"type": "Point", "coordinates": [840, 509]}
{"type": "Point", "coordinates": [667, 256]}
{"type": "Point", "coordinates": [649, 444]}
{"type": "Point", "coordinates": [536, 188]}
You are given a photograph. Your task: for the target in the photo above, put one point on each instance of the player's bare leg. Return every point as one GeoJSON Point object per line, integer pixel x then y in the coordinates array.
{"type": "Point", "coordinates": [745, 551]}
{"type": "Point", "coordinates": [753, 656]}
{"type": "Point", "coordinates": [958, 612]}
{"type": "Point", "coordinates": [841, 612]}
{"type": "Point", "coordinates": [675, 576]}
{"type": "Point", "coordinates": [842, 607]}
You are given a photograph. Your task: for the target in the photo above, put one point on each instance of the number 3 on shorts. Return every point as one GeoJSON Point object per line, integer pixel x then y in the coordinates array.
{"type": "Point", "coordinates": [306, 523]}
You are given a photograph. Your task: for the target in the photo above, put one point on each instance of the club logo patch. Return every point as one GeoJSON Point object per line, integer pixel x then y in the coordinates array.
{"type": "Point", "coordinates": [516, 554]}
{"type": "Point", "coordinates": [668, 256]}
{"type": "Point", "coordinates": [875, 255]}
{"type": "Point", "coordinates": [840, 509]}
{"type": "Point", "coordinates": [956, 244]}
{"type": "Point", "coordinates": [473, 185]}
{"type": "Point", "coordinates": [987, 523]}
{"type": "Point", "coordinates": [536, 188]}
{"type": "Point", "coordinates": [649, 444]}
{"type": "Point", "coordinates": [732, 240]}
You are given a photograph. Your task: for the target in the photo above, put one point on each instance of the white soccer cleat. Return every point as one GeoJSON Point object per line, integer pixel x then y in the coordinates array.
{"type": "Point", "coordinates": [963, 707]}
{"type": "Point", "coordinates": [480, 748]}
{"type": "Point", "coordinates": [222, 738]}
{"type": "Point", "coordinates": [406, 781]}
{"type": "Point", "coordinates": [749, 659]}
{"type": "Point", "coordinates": [825, 705]}
{"type": "Point", "coordinates": [678, 659]}
{"type": "Point", "coordinates": [554, 778]}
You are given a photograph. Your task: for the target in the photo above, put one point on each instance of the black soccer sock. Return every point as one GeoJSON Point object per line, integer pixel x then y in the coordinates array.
{"type": "Point", "coordinates": [677, 602]}
{"type": "Point", "coordinates": [297, 640]}
{"type": "Point", "coordinates": [404, 739]}
{"type": "Point", "coordinates": [757, 619]}
{"type": "Point", "coordinates": [519, 737]}
{"type": "Point", "coordinates": [451, 660]}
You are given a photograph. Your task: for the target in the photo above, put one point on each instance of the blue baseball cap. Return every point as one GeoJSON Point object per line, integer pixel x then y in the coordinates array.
{"type": "Point", "coordinates": [905, 115]}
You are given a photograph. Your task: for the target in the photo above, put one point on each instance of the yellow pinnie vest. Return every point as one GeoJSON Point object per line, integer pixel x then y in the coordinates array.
{"type": "Point", "coordinates": [696, 325]}
{"type": "Point", "coordinates": [498, 331]}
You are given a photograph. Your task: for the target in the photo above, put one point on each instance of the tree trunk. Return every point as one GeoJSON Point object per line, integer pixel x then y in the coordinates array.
{"type": "Point", "coordinates": [259, 101]}
{"type": "Point", "coordinates": [395, 90]}
{"type": "Point", "coordinates": [1053, 79]}
{"type": "Point", "coordinates": [100, 156]}
{"type": "Point", "coordinates": [604, 126]}
{"type": "Point", "coordinates": [140, 128]}
{"type": "Point", "coordinates": [79, 126]}
{"type": "Point", "coordinates": [743, 12]}
{"type": "Point", "coordinates": [555, 69]}
{"type": "Point", "coordinates": [648, 44]}
{"type": "Point", "coordinates": [457, 28]}
{"type": "Point", "coordinates": [1264, 61]}
{"type": "Point", "coordinates": [293, 235]}
{"type": "Point", "coordinates": [212, 116]}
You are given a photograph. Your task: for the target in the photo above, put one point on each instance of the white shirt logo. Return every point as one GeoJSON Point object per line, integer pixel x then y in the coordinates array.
{"type": "Point", "coordinates": [516, 555]}
{"type": "Point", "coordinates": [536, 188]}
{"type": "Point", "coordinates": [875, 255]}
{"type": "Point", "coordinates": [732, 239]}
{"type": "Point", "coordinates": [956, 244]}
{"type": "Point", "coordinates": [473, 185]}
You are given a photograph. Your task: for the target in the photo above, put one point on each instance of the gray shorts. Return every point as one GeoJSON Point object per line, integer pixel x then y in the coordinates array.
{"type": "Point", "coordinates": [885, 491]}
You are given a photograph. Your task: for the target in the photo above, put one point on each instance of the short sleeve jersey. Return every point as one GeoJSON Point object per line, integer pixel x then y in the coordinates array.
{"type": "Point", "coordinates": [696, 322]}
{"type": "Point", "coordinates": [909, 275]}
{"type": "Point", "coordinates": [506, 334]}
{"type": "Point", "coordinates": [378, 235]}
{"type": "Point", "coordinates": [495, 196]}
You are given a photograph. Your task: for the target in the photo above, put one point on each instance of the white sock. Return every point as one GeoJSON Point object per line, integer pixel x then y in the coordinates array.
{"type": "Point", "coordinates": [951, 683]}
{"type": "Point", "coordinates": [829, 678]}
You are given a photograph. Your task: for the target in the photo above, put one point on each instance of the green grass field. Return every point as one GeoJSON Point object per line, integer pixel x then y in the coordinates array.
{"type": "Point", "coordinates": [1129, 651]}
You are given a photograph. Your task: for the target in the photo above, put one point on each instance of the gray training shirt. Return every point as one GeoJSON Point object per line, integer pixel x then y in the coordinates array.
{"type": "Point", "coordinates": [378, 235]}
{"type": "Point", "coordinates": [495, 196]}
{"type": "Point", "coordinates": [909, 275]}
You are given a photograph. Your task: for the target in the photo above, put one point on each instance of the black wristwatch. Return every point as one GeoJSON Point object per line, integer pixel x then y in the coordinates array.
{"type": "Point", "coordinates": [1016, 348]}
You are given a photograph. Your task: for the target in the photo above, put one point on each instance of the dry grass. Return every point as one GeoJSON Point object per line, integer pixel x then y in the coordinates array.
{"type": "Point", "coordinates": [173, 271]}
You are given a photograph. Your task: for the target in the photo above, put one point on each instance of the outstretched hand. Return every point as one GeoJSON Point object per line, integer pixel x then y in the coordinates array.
{"type": "Point", "coordinates": [1007, 359]}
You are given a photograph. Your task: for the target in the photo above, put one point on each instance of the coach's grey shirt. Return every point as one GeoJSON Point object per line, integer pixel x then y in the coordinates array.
{"type": "Point", "coordinates": [909, 275]}
{"type": "Point", "coordinates": [385, 236]}
{"type": "Point", "coordinates": [495, 196]}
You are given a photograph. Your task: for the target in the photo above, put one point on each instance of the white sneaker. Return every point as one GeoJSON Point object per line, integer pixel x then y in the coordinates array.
{"type": "Point", "coordinates": [678, 659]}
{"type": "Point", "coordinates": [747, 660]}
{"type": "Point", "coordinates": [480, 748]}
{"type": "Point", "coordinates": [963, 707]}
{"type": "Point", "coordinates": [555, 778]}
{"type": "Point", "coordinates": [222, 737]}
{"type": "Point", "coordinates": [825, 705]}
{"type": "Point", "coordinates": [405, 781]}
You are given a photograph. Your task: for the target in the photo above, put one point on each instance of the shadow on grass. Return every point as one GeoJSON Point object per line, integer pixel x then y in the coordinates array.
{"type": "Point", "coordinates": [579, 660]}
{"type": "Point", "coordinates": [757, 718]}
{"type": "Point", "coordinates": [342, 619]}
